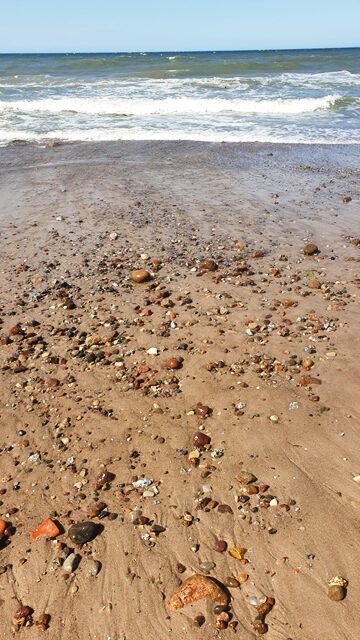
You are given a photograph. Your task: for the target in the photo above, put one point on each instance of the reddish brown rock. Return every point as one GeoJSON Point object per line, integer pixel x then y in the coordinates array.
{"type": "Point", "coordinates": [208, 265]}
{"type": "Point", "coordinates": [201, 440]}
{"type": "Point", "coordinates": [196, 588]}
{"type": "Point", "coordinates": [173, 363]}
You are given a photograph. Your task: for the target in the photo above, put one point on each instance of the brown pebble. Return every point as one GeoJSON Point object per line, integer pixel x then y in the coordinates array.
{"type": "Point", "coordinates": [199, 621]}
{"type": "Point", "coordinates": [224, 508]}
{"type": "Point", "coordinates": [201, 440]}
{"type": "Point", "coordinates": [336, 592]}
{"type": "Point", "coordinates": [231, 582]}
{"type": "Point", "coordinates": [208, 265]}
{"type": "Point", "coordinates": [180, 567]}
{"type": "Point", "coordinates": [140, 275]}
{"type": "Point", "coordinates": [220, 546]}
{"type": "Point", "coordinates": [173, 363]}
{"type": "Point", "coordinates": [23, 612]}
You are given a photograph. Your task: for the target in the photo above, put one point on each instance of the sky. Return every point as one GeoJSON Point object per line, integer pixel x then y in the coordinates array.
{"type": "Point", "coordinates": [176, 25]}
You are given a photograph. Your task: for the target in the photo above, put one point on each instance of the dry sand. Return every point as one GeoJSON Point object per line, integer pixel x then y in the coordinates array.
{"type": "Point", "coordinates": [252, 209]}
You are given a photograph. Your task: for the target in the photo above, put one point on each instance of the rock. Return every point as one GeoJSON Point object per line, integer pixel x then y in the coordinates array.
{"type": "Point", "coordinates": [346, 199]}
{"type": "Point", "coordinates": [93, 567]}
{"type": "Point", "coordinates": [245, 477]}
{"type": "Point", "coordinates": [201, 440]}
{"type": "Point", "coordinates": [140, 275]}
{"type": "Point", "coordinates": [337, 588]}
{"type": "Point", "coordinates": [260, 627]}
{"type": "Point", "coordinates": [220, 546]}
{"type": "Point", "coordinates": [71, 562]}
{"type": "Point", "coordinates": [202, 410]}
{"type": "Point", "coordinates": [314, 284]}
{"type": "Point", "coordinates": [83, 532]}
{"type": "Point", "coordinates": [196, 588]}
{"type": "Point", "coordinates": [174, 363]}
{"type": "Point", "coordinates": [231, 582]}
{"type": "Point", "coordinates": [152, 351]}
{"type": "Point", "coordinates": [206, 567]}
{"type": "Point", "coordinates": [113, 235]}
{"type": "Point", "coordinates": [23, 612]}
{"type": "Point", "coordinates": [224, 508]}
{"type": "Point", "coordinates": [310, 249]}
{"type": "Point", "coordinates": [103, 479]}
{"type": "Point", "coordinates": [208, 265]}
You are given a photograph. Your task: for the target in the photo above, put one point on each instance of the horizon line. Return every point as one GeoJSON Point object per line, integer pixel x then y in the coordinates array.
{"type": "Point", "coordinates": [142, 51]}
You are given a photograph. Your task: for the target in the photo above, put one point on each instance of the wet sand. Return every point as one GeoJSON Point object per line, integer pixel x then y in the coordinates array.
{"type": "Point", "coordinates": [269, 345]}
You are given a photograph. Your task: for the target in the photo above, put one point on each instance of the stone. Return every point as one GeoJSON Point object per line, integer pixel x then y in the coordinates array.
{"type": "Point", "coordinates": [206, 567]}
{"type": "Point", "coordinates": [71, 562]}
{"type": "Point", "coordinates": [208, 265]}
{"type": "Point", "coordinates": [245, 477]}
{"type": "Point", "coordinates": [311, 249]}
{"type": "Point", "coordinates": [140, 275]}
{"type": "Point", "coordinates": [220, 546]}
{"type": "Point", "coordinates": [201, 440]}
{"type": "Point", "coordinates": [202, 410]}
{"type": "Point", "coordinates": [93, 567]}
{"type": "Point", "coordinates": [196, 588]}
{"type": "Point", "coordinates": [83, 532]}
{"type": "Point", "coordinates": [103, 479]}
{"type": "Point", "coordinates": [231, 582]}
{"type": "Point", "coordinates": [173, 363]}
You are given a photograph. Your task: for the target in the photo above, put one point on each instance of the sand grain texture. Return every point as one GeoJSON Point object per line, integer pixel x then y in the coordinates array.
{"type": "Point", "coordinates": [80, 383]}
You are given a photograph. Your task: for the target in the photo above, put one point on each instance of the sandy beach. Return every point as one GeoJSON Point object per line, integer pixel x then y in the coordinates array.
{"type": "Point", "coordinates": [230, 449]}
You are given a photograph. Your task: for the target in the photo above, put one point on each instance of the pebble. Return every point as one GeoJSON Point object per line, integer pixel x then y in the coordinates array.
{"type": "Point", "coordinates": [173, 363]}
{"type": "Point", "coordinates": [336, 592]}
{"type": "Point", "coordinates": [208, 265]}
{"type": "Point", "coordinates": [220, 546]}
{"type": "Point", "coordinates": [231, 582]}
{"type": "Point", "coordinates": [140, 275]}
{"type": "Point", "coordinates": [310, 249]}
{"type": "Point", "coordinates": [71, 562]}
{"type": "Point", "coordinates": [152, 351]}
{"type": "Point", "coordinates": [201, 440]}
{"type": "Point", "coordinates": [206, 567]}
{"type": "Point", "coordinates": [83, 532]}
{"type": "Point", "coordinates": [93, 566]}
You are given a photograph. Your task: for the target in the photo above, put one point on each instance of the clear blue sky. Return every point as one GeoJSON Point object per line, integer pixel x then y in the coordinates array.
{"type": "Point", "coordinates": [172, 25]}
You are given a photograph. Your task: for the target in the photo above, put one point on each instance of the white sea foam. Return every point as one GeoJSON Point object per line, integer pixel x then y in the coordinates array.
{"type": "Point", "coordinates": [184, 105]}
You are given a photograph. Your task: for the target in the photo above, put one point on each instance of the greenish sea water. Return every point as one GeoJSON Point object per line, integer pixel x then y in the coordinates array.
{"type": "Point", "coordinates": [308, 96]}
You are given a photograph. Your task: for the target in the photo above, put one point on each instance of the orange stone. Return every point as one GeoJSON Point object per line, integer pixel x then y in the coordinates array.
{"type": "Point", "coordinates": [140, 275]}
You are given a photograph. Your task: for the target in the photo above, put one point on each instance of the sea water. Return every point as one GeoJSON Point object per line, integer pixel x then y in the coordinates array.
{"type": "Point", "coordinates": [306, 96]}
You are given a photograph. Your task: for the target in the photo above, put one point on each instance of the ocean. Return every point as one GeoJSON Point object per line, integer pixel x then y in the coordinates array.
{"type": "Point", "coordinates": [304, 96]}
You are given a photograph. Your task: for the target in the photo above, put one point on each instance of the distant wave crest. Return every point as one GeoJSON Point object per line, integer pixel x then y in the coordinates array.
{"type": "Point", "coordinates": [183, 105]}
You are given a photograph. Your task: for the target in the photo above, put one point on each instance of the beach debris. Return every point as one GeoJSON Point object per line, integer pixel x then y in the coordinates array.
{"type": "Point", "coordinates": [46, 529]}
{"type": "Point", "coordinates": [195, 588]}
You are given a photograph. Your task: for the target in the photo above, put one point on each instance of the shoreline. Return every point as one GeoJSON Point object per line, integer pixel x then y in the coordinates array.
{"type": "Point", "coordinates": [267, 341]}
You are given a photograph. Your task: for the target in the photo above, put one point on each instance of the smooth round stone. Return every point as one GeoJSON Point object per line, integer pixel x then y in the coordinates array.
{"type": "Point", "coordinates": [336, 592]}
{"type": "Point", "coordinates": [310, 249]}
{"type": "Point", "coordinates": [152, 351]}
{"type": "Point", "coordinates": [83, 532]}
{"type": "Point", "coordinates": [173, 363]}
{"type": "Point", "coordinates": [231, 582]}
{"type": "Point", "coordinates": [140, 275]}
